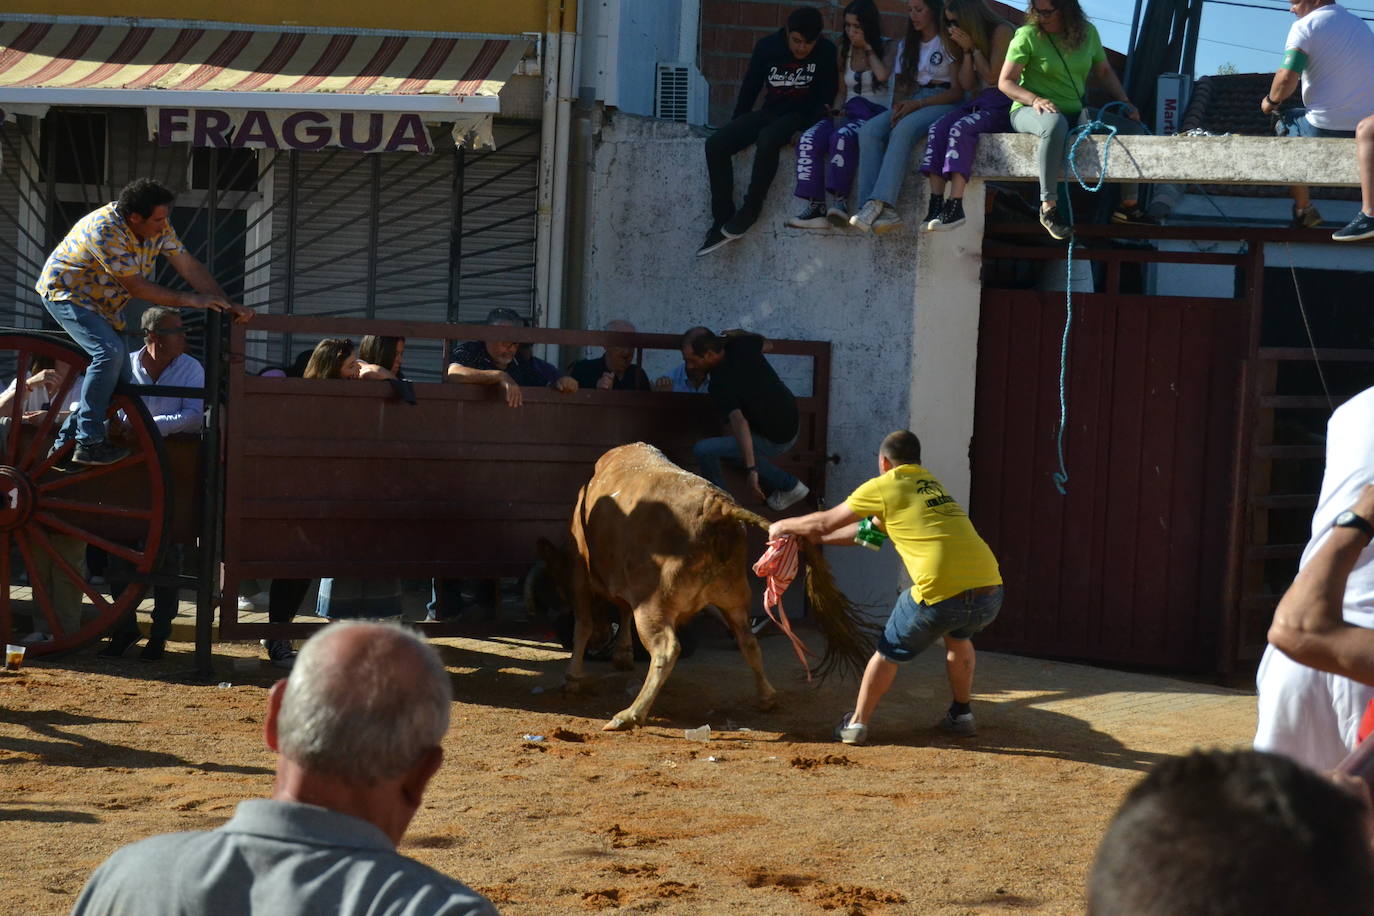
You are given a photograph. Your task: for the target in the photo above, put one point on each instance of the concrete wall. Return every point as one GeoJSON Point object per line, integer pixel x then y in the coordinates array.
{"type": "Point", "coordinates": [895, 362]}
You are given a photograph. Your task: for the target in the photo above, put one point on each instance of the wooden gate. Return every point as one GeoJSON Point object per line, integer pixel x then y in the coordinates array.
{"type": "Point", "coordinates": [1130, 566]}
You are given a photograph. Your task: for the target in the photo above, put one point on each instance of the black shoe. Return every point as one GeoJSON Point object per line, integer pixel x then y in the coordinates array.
{"type": "Point", "coordinates": [740, 223]}
{"type": "Point", "coordinates": [280, 652]}
{"type": "Point", "coordinates": [714, 239]}
{"type": "Point", "coordinates": [98, 453]}
{"type": "Point", "coordinates": [937, 204]}
{"type": "Point", "coordinates": [1054, 225]}
{"type": "Point", "coordinates": [153, 649]}
{"type": "Point", "coordinates": [119, 644]}
{"type": "Point", "coordinates": [1133, 215]}
{"type": "Point", "coordinates": [65, 462]}
{"type": "Point", "coordinates": [952, 215]}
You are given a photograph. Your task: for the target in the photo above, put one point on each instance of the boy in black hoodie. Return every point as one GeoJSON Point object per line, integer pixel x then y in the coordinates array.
{"type": "Point", "coordinates": [797, 69]}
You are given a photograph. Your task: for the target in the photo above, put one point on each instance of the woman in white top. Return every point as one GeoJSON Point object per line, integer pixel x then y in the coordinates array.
{"type": "Point", "coordinates": [924, 78]}
{"type": "Point", "coordinates": [827, 156]}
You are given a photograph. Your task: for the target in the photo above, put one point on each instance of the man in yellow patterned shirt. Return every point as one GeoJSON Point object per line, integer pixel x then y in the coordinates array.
{"type": "Point", "coordinates": [106, 258]}
{"type": "Point", "coordinates": [957, 588]}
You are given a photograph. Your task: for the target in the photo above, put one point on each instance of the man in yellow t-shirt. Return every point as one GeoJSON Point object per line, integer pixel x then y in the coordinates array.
{"type": "Point", "coordinates": [957, 590]}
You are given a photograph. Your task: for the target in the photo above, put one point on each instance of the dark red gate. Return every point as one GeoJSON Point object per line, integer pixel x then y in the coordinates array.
{"type": "Point", "coordinates": [1130, 566]}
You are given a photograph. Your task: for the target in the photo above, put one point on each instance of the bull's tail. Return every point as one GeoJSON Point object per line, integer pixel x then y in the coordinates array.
{"type": "Point", "coordinates": [848, 631]}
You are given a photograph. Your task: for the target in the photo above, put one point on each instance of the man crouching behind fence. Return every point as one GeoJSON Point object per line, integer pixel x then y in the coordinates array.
{"type": "Point", "coordinates": [356, 728]}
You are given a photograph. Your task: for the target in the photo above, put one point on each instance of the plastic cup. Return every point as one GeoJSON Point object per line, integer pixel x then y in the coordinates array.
{"type": "Point", "coordinates": [14, 657]}
{"type": "Point", "coordinates": [702, 734]}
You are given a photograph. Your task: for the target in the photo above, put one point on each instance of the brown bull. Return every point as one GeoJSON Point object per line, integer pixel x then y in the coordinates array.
{"type": "Point", "coordinates": [662, 544]}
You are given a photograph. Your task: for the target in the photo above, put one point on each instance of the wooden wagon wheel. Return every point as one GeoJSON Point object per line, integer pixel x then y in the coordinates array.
{"type": "Point", "coordinates": [49, 516]}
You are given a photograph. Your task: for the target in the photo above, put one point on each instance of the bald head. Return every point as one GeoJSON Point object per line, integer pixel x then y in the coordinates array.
{"type": "Point", "coordinates": [363, 702]}
{"type": "Point", "coordinates": [618, 359]}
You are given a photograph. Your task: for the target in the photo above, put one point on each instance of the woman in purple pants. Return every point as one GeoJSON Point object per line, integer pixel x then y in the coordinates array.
{"type": "Point", "coordinates": [978, 39]}
{"type": "Point", "coordinates": [828, 155]}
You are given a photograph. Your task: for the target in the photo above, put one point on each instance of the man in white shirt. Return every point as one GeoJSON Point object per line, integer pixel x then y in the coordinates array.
{"type": "Point", "coordinates": [1331, 51]}
{"type": "Point", "coordinates": [1313, 716]}
{"type": "Point", "coordinates": [162, 360]}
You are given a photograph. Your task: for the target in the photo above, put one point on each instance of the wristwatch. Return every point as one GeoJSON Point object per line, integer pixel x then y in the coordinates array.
{"type": "Point", "coordinates": [1348, 519]}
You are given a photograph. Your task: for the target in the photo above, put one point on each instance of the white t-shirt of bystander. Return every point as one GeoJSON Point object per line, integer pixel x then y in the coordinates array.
{"type": "Point", "coordinates": [1338, 83]}
{"type": "Point", "coordinates": [933, 64]}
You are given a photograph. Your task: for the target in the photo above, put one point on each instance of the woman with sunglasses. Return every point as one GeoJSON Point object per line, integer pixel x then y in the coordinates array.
{"type": "Point", "coordinates": [924, 78]}
{"type": "Point", "coordinates": [1046, 77]}
{"type": "Point", "coordinates": [826, 155]}
{"type": "Point", "coordinates": [978, 39]}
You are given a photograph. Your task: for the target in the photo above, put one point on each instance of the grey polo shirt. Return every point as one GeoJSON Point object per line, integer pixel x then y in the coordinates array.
{"type": "Point", "coordinates": [275, 857]}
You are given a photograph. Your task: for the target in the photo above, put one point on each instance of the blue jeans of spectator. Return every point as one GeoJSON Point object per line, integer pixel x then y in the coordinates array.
{"type": "Point", "coordinates": [885, 149]}
{"type": "Point", "coordinates": [1293, 123]}
{"type": "Point", "coordinates": [914, 625]}
{"type": "Point", "coordinates": [710, 453]}
{"type": "Point", "coordinates": [109, 366]}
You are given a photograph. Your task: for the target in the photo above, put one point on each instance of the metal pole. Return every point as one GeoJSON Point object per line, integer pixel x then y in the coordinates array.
{"type": "Point", "coordinates": [212, 475]}
{"type": "Point", "coordinates": [1194, 30]}
{"type": "Point", "coordinates": [455, 245]}
{"type": "Point", "coordinates": [1130, 48]}
{"type": "Point", "coordinates": [292, 210]}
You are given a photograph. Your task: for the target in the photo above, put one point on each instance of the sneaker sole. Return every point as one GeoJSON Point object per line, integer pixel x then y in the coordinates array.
{"type": "Point", "coordinates": [818, 223]}
{"type": "Point", "coordinates": [854, 223]}
{"type": "Point", "coordinates": [1353, 238]}
{"type": "Point", "coordinates": [1055, 235]}
{"type": "Point", "coordinates": [721, 244]}
{"type": "Point", "coordinates": [938, 226]}
{"type": "Point", "coordinates": [96, 464]}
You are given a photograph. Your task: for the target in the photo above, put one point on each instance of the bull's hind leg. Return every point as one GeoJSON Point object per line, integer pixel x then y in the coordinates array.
{"type": "Point", "coordinates": [656, 631]}
{"type": "Point", "coordinates": [734, 607]}
{"type": "Point", "coordinates": [582, 633]}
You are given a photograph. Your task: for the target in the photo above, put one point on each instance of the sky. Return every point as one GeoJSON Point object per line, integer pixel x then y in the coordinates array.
{"type": "Point", "coordinates": [1249, 38]}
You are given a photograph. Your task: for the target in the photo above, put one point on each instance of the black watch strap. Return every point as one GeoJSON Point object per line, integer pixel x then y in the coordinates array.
{"type": "Point", "coordinates": [1348, 519]}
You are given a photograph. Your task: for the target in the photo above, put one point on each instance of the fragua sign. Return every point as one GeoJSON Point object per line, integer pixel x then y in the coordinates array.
{"type": "Point", "coordinates": [362, 131]}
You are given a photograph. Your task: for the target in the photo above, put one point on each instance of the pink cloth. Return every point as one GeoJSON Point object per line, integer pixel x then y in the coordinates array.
{"type": "Point", "coordinates": [779, 566]}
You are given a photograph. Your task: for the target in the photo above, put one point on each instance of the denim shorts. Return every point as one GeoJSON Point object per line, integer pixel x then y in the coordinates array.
{"type": "Point", "coordinates": [914, 625]}
{"type": "Point", "coordinates": [1293, 123]}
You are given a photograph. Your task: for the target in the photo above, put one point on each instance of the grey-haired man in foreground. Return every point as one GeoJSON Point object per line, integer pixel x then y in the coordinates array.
{"type": "Point", "coordinates": [356, 728]}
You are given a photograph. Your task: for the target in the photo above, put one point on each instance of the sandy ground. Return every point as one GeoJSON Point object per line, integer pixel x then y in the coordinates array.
{"type": "Point", "coordinates": [770, 816]}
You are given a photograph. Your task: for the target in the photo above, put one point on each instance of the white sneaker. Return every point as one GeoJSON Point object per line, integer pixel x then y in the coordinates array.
{"type": "Point", "coordinates": [868, 214]}
{"type": "Point", "coordinates": [246, 604]}
{"type": "Point", "coordinates": [781, 499]}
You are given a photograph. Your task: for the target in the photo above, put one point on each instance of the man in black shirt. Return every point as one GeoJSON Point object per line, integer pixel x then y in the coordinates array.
{"type": "Point", "coordinates": [759, 408]}
{"type": "Point", "coordinates": [797, 69]}
{"type": "Point", "coordinates": [491, 362]}
{"type": "Point", "coordinates": [615, 369]}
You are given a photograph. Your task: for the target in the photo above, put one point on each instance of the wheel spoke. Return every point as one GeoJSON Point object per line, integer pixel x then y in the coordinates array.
{"type": "Point", "coordinates": [96, 598]}
{"type": "Point", "coordinates": [119, 550]}
{"type": "Point", "coordinates": [21, 377]}
{"type": "Point", "coordinates": [68, 505]}
{"type": "Point", "coordinates": [54, 411]}
{"type": "Point", "coordinates": [38, 587]}
{"type": "Point", "coordinates": [96, 470]}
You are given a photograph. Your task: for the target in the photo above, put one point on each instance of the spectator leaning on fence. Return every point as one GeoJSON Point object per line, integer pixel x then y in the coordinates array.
{"type": "Point", "coordinates": [356, 729]}
{"type": "Point", "coordinates": [795, 69]}
{"type": "Point", "coordinates": [494, 362]}
{"type": "Point", "coordinates": [1046, 76]}
{"type": "Point", "coordinates": [1331, 52]}
{"type": "Point", "coordinates": [106, 258]}
{"type": "Point", "coordinates": [615, 369]}
{"type": "Point", "coordinates": [827, 155]}
{"type": "Point", "coordinates": [687, 377]}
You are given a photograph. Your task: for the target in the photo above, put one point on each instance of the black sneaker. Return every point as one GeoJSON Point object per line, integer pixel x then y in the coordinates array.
{"type": "Point", "coordinates": [740, 223]}
{"type": "Point", "coordinates": [98, 453]}
{"type": "Point", "coordinates": [937, 204]}
{"type": "Point", "coordinates": [714, 239]}
{"type": "Point", "coordinates": [1306, 218]}
{"type": "Point", "coordinates": [1357, 230]}
{"type": "Point", "coordinates": [812, 217]}
{"type": "Point", "coordinates": [65, 462]}
{"type": "Point", "coordinates": [1133, 215]}
{"type": "Point", "coordinates": [1053, 224]}
{"type": "Point", "coordinates": [280, 652]}
{"type": "Point", "coordinates": [952, 215]}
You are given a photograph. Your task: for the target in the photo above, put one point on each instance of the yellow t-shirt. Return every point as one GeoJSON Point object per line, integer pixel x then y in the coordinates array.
{"type": "Point", "coordinates": [932, 532]}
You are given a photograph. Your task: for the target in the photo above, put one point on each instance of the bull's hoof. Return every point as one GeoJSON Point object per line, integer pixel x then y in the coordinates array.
{"type": "Point", "coordinates": [618, 725]}
{"type": "Point", "coordinates": [768, 703]}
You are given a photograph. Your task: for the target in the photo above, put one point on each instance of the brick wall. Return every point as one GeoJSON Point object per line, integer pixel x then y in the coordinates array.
{"type": "Point", "coordinates": [729, 29]}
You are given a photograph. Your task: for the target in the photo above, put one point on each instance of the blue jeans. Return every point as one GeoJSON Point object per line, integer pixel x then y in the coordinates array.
{"type": "Point", "coordinates": [914, 625]}
{"type": "Point", "coordinates": [710, 452]}
{"type": "Point", "coordinates": [885, 150]}
{"type": "Point", "coordinates": [1294, 123]}
{"type": "Point", "coordinates": [109, 366]}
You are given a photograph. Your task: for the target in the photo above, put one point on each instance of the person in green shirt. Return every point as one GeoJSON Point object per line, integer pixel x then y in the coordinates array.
{"type": "Point", "coordinates": [956, 590]}
{"type": "Point", "coordinates": [1046, 76]}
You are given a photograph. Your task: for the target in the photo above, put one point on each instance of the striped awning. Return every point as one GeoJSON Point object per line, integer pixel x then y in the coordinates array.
{"type": "Point", "coordinates": [131, 62]}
